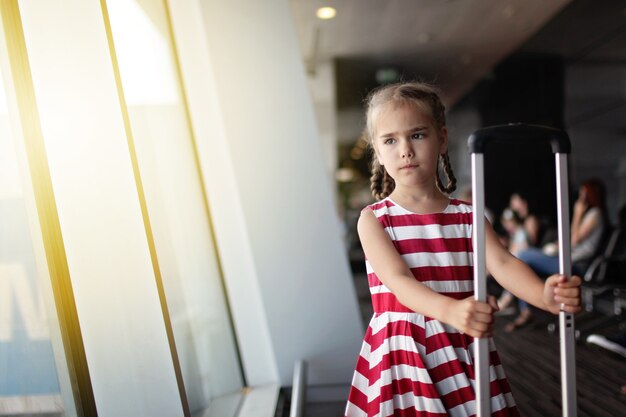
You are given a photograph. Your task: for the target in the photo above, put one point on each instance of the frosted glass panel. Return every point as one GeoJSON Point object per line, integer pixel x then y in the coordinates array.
{"type": "Point", "coordinates": [176, 205]}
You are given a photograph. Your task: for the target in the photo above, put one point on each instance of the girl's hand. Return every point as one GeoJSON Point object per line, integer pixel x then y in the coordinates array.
{"type": "Point", "coordinates": [559, 290]}
{"type": "Point", "coordinates": [472, 317]}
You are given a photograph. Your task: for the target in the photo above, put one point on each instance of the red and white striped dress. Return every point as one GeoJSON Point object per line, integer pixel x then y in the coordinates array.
{"type": "Point", "coordinates": [411, 364]}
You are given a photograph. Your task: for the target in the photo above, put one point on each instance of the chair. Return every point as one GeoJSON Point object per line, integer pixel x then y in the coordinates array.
{"type": "Point", "coordinates": [604, 285]}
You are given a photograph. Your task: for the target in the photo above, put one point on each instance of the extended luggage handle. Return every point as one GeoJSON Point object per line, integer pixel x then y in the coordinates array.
{"type": "Point", "coordinates": [519, 133]}
{"type": "Point", "coordinates": [560, 144]}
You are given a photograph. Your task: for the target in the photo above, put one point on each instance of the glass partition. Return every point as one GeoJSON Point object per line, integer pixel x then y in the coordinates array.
{"type": "Point", "coordinates": [176, 203]}
{"type": "Point", "coordinates": [34, 378]}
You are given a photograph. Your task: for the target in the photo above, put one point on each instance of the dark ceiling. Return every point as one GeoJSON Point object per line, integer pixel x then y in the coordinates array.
{"type": "Point", "coordinates": [585, 32]}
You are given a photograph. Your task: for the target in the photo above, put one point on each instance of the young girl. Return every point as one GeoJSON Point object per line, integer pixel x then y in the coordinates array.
{"type": "Point", "coordinates": [417, 357]}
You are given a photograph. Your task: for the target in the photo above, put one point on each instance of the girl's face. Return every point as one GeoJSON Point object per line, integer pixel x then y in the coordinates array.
{"type": "Point", "coordinates": [407, 143]}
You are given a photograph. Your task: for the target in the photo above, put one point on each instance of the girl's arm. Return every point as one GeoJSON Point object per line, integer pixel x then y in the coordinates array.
{"type": "Point", "coordinates": [519, 279]}
{"type": "Point", "coordinates": [468, 316]}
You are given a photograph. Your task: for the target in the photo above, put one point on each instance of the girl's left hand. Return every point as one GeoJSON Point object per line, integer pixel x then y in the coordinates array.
{"type": "Point", "coordinates": [560, 290]}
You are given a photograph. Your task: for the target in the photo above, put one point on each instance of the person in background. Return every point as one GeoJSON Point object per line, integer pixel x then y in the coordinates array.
{"type": "Point", "coordinates": [523, 228]}
{"type": "Point", "coordinates": [518, 236]}
{"type": "Point", "coordinates": [520, 204]}
{"type": "Point", "coordinates": [589, 222]}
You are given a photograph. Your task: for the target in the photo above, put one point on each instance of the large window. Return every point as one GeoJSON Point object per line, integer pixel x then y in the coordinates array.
{"type": "Point", "coordinates": [176, 204]}
{"type": "Point", "coordinates": [34, 378]}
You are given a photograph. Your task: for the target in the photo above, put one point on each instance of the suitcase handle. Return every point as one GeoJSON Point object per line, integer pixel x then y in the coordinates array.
{"type": "Point", "coordinates": [519, 133]}
{"type": "Point", "coordinates": [523, 134]}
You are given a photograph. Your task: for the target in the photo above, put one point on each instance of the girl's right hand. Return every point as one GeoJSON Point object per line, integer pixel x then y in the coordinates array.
{"type": "Point", "coordinates": [472, 317]}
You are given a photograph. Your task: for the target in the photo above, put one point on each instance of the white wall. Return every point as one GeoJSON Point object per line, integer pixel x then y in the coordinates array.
{"type": "Point", "coordinates": [321, 81]}
{"type": "Point", "coordinates": [278, 233]}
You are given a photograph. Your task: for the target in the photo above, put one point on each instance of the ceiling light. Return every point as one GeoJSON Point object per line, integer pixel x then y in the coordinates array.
{"type": "Point", "coordinates": [326, 12]}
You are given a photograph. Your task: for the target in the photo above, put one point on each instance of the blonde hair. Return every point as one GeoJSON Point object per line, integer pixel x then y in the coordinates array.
{"type": "Point", "coordinates": [421, 95]}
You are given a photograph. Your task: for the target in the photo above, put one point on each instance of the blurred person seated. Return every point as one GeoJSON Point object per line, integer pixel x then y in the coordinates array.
{"type": "Point", "coordinates": [524, 229]}
{"type": "Point", "coordinates": [516, 239]}
{"type": "Point", "coordinates": [518, 235]}
{"type": "Point", "coordinates": [589, 223]}
{"type": "Point", "coordinates": [521, 205]}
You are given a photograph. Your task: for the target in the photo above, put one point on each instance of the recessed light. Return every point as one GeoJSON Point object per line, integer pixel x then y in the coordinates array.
{"type": "Point", "coordinates": [326, 12]}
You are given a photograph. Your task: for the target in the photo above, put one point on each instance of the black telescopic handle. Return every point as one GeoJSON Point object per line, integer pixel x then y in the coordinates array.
{"type": "Point", "coordinates": [519, 133]}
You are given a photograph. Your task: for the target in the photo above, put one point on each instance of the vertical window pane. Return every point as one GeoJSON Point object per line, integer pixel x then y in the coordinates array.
{"type": "Point", "coordinates": [176, 205]}
{"type": "Point", "coordinates": [31, 354]}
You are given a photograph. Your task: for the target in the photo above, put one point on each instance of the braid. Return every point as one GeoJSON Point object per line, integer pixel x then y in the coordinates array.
{"type": "Point", "coordinates": [376, 181]}
{"type": "Point", "coordinates": [381, 183]}
{"type": "Point", "coordinates": [447, 168]}
{"type": "Point", "coordinates": [388, 184]}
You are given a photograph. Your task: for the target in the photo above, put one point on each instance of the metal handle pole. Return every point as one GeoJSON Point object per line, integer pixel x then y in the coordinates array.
{"type": "Point", "coordinates": [298, 389]}
{"type": "Point", "coordinates": [481, 345]}
{"type": "Point", "coordinates": [566, 320]}
{"type": "Point", "coordinates": [559, 141]}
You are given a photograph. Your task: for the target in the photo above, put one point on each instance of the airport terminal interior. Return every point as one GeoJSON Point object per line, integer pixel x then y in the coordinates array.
{"type": "Point", "coordinates": [181, 181]}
